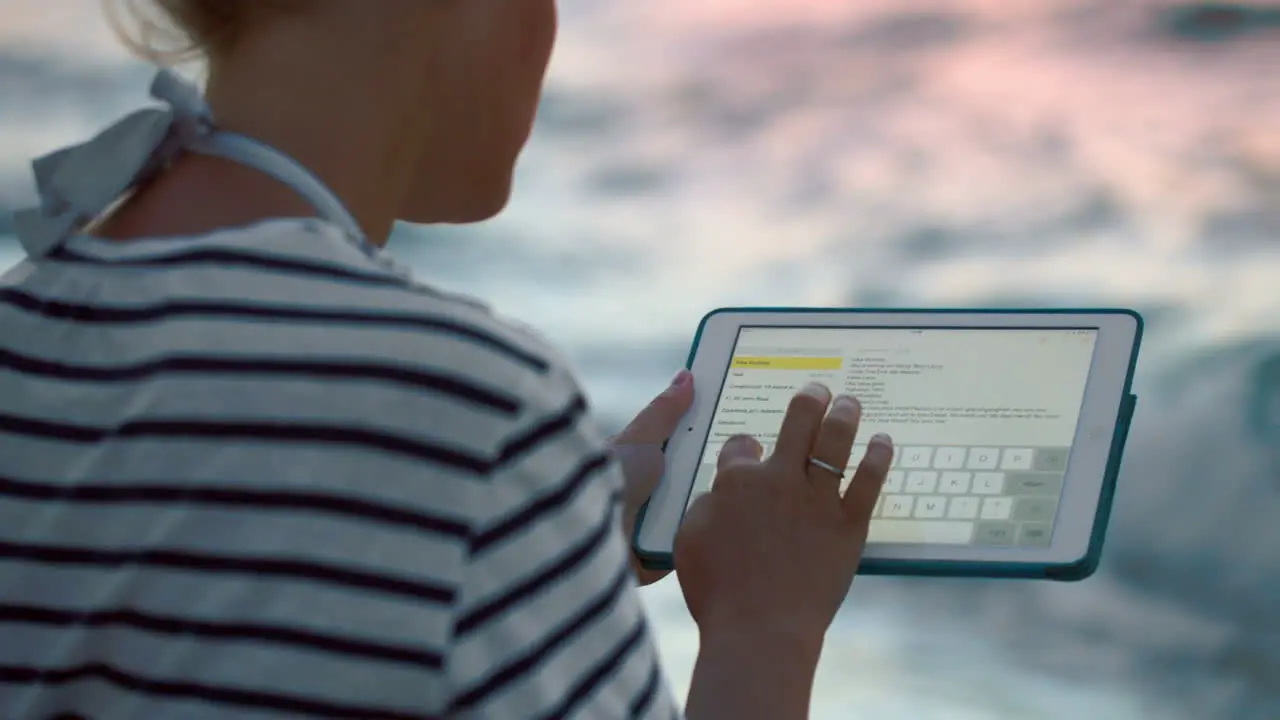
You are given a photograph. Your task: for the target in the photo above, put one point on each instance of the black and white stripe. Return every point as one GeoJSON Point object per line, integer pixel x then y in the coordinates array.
{"type": "Point", "coordinates": [53, 309]}
{"type": "Point", "coordinates": [259, 474]}
{"type": "Point", "coordinates": [414, 379]}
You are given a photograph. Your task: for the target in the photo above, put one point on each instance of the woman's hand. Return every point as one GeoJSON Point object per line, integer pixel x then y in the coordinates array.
{"type": "Point", "coordinates": [639, 449]}
{"type": "Point", "coordinates": [771, 550]}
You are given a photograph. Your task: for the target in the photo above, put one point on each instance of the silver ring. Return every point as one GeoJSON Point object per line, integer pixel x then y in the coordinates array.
{"type": "Point", "coordinates": [838, 472]}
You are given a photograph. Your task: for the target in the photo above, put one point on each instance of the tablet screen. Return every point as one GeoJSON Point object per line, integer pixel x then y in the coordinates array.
{"type": "Point", "coordinates": [982, 419]}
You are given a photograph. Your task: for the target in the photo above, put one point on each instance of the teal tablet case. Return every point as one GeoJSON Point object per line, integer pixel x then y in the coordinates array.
{"type": "Point", "coordinates": [1078, 570]}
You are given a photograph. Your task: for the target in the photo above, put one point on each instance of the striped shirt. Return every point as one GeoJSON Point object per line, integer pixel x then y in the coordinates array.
{"type": "Point", "coordinates": [261, 474]}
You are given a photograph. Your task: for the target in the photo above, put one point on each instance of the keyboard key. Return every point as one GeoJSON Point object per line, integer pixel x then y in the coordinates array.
{"type": "Point", "coordinates": [894, 481]}
{"type": "Point", "coordinates": [898, 506]}
{"type": "Point", "coordinates": [1050, 459]}
{"type": "Point", "coordinates": [1046, 484]}
{"type": "Point", "coordinates": [875, 511]}
{"type": "Point", "coordinates": [931, 507]}
{"type": "Point", "coordinates": [938, 532]}
{"type": "Point", "coordinates": [1016, 459]}
{"type": "Point", "coordinates": [949, 458]}
{"type": "Point", "coordinates": [1034, 535]}
{"type": "Point", "coordinates": [1035, 509]}
{"type": "Point", "coordinates": [983, 458]}
{"type": "Point", "coordinates": [987, 483]}
{"type": "Point", "coordinates": [922, 481]}
{"type": "Point", "coordinates": [899, 456]}
{"type": "Point", "coordinates": [994, 533]}
{"type": "Point", "coordinates": [955, 483]}
{"type": "Point", "coordinates": [963, 508]}
{"type": "Point", "coordinates": [997, 508]}
{"type": "Point", "coordinates": [917, 457]}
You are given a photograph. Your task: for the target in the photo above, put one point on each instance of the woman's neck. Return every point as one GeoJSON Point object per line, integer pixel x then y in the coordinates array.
{"type": "Point", "coordinates": [351, 117]}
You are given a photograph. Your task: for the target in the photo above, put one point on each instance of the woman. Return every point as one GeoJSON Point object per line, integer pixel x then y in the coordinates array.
{"type": "Point", "coordinates": [250, 468]}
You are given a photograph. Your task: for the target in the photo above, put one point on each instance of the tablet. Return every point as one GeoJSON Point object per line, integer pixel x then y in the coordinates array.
{"type": "Point", "coordinates": [1008, 427]}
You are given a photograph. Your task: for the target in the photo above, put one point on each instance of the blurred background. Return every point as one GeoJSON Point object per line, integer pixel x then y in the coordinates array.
{"type": "Point", "coordinates": [898, 152]}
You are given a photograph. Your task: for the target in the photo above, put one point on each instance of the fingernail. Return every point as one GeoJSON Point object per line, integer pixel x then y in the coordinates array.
{"type": "Point", "coordinates": [845, 408]}
{"type": "Point", "coordinates": [681, 378]}
{"type": "Point", "coordinates": [818, 390]}
{"type": "Point", "coordinates": [880, 449]}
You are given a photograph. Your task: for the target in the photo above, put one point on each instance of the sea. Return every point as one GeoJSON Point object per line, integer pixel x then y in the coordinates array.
{"type": "Point", "coordinates": [915, 153]}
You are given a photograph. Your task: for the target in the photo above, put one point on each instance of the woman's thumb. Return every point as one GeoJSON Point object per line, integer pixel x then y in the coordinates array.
{"type": "Point", "coordinates": [658, 420]}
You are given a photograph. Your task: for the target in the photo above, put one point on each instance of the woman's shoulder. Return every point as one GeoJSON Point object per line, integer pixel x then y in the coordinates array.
{"type": "Point", "coordinates": [299, 294]}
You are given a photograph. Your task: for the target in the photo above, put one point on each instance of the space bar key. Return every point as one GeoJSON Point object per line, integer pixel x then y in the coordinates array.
{"type": "Point", "coordinates": [948, 532]}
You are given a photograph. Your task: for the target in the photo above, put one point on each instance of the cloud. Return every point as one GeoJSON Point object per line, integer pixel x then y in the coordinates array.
{"type": "Point", "coordinates": [909, 32]}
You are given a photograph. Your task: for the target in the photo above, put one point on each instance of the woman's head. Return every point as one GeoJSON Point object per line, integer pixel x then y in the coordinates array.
{"type": "Point", "coordinates": [451, 86]}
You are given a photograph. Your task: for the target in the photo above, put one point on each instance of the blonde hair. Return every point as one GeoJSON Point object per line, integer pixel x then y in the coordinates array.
{"type": "Point", "coordinates": [173, 31]}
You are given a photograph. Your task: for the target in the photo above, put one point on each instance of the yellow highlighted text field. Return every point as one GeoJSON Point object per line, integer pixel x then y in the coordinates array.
{"type": "Point", "coordinates": [787, 363]}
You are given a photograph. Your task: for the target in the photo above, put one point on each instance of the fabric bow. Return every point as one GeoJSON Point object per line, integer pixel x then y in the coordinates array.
{"type": "Point", "coordinates": [77, 184]}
